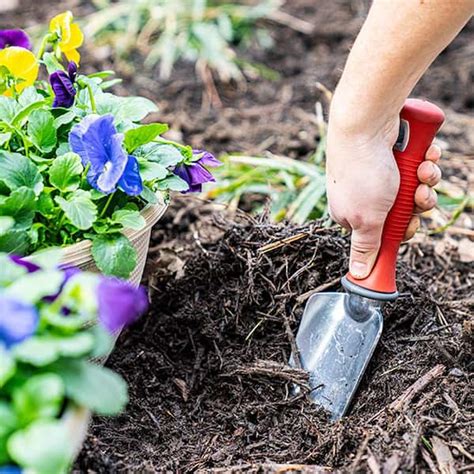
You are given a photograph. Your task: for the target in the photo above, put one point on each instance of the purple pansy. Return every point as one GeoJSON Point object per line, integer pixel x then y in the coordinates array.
{"type": "Point", "coordinates": [120, 303]}
{"type": "Point", "coordinates": [18, 321]}
{"type": "Point", "coordinates": [63, 86]}
{"type": "Point", "coordinates": [14, 38]}
{"type": "Point", "coordinates": [96, 140]}
{"type": "Point", "coordinates": [195, 173]}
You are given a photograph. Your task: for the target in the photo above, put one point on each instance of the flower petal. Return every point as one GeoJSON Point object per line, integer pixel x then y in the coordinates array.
{"type": "Point", "coordinates": [97, 143]}
{"type": "Point", "coordinates": [63, 88]}
{"type": "Point", "coordinates": [131, 181]}
{"type": "Point", "coordinates": [18, 321]}
{"type": "Point", "coordinates": [73, 55]}
{"type": "Point", "coordinates": [14, 38]}
{"type": "Point", "coordinates": [31, 267]}
{"type": "Point", "coordinates": [199, 174]}
{"type": "Point", "coordinates": [120, 303]}
{"type": "Point", "coordinates": [207, 159]}
{"type": "Point", "coordinates": [22, 64]}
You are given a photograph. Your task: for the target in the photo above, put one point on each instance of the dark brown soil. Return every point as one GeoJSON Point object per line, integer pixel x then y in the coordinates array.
{"type": "Point", "coordinates": [206, 367]}
{"type": "Point", "coordinates": [207, 370]}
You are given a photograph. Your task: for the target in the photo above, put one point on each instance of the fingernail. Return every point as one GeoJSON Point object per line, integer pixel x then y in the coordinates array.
{"type": "Point", "coordinates": [359, 269]}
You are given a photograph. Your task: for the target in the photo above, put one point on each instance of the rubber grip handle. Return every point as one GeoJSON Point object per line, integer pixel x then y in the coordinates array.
{"type": "Point", "coordinates": [420, 121]}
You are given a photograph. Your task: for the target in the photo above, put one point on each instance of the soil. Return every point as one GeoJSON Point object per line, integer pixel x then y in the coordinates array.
{"type": "Point", "coordinates": [207, 367]}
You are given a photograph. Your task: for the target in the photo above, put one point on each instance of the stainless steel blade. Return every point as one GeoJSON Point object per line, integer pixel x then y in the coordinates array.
{"type": "Point", "coordinates": [336, 339]}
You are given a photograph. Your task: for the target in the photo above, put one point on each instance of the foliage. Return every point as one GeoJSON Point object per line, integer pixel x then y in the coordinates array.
{"type": "Point", "coordinates": [296, 189]}
{"type": "Point", "coordinates": [52, 322]}
{"type": "Point", "coordinates": [75, 162]}
{"type": "Point", "coordinates": [203, 31]}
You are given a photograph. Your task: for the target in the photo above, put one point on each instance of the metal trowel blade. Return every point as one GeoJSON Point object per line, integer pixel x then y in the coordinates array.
{"type": "Point", "coordinates": [336, 339]}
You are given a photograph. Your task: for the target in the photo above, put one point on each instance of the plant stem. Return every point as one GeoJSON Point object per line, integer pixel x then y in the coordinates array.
{"type": "Point", "coordinates": [92, 99]}
{"type": "Point", "coordinates": [44, 42]}
{"type": "Point", "coordinates": [107, 204]}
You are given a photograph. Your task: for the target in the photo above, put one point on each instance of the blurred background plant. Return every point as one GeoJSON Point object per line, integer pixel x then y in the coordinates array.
{"type": "Point", "coordinates": [293, 189]}
{"type": "Point", "coordinates": [207, 32]}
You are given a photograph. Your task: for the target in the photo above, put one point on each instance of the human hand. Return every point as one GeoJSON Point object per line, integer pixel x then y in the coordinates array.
{"type": "Point", "coordinates": [363, 181]}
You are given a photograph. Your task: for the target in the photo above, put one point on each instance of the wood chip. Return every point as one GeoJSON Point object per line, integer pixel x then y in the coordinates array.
{"type": "Point", "coordinates": [443, 455]}
{"type": "Point", "coordinates": [409, 394]}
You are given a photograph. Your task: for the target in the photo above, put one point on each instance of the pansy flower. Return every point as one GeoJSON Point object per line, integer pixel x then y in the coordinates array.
{"type": "Point", "coordinates": [69, 35]}
{"type": "Point", "coordinates": [14, 38]}
{"type": "Point", "coordinates": [63, 86]}
{"type": "Point", "coordinates": [18, 321]}
{"type": "Point", "coordinates": [120, 303]}
{"type": "Point", "coordinates": [21, 65]}
{"type": "Point", "coordinates": [96, 140]}
{"type": "Point", "coordinates": [195, 173]}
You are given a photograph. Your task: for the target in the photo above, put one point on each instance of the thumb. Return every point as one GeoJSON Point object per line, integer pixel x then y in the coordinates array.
{"type": "Point", "coordinates": [365, 244]}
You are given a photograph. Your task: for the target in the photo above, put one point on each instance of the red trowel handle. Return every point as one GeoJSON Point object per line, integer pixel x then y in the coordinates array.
{"type": "Point", "coordinates": [420, 121]}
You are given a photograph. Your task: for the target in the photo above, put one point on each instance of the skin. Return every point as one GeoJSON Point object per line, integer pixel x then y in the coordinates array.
{"type": "Point", "coordinates": [397, 43]}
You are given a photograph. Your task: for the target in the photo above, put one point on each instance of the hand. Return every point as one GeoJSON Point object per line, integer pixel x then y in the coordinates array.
{"type": "Point", "coordinates": [363, 181]}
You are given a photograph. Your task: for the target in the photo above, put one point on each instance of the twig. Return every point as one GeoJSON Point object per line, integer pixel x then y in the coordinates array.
{"type": "Point", "coordinates": [281, 243]}
{"type": "Point", "coordinates": [443, 456]}
{"type": "Point", "coordinates": [302, 298]}
{"type": "Point", "coordinates": [360, 452]}
{"type": "Point", "coordinates": [294, 23]}
{"type": "Point", "coordinates": [409, 394]}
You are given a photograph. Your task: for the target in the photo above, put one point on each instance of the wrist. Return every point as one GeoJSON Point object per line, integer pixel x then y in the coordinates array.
{"type": "Point", "coordinates": [356, 114]}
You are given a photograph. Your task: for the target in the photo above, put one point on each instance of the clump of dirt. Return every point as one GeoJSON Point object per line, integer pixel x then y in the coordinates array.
{"type": "Point", "coordinates": [207, 367]}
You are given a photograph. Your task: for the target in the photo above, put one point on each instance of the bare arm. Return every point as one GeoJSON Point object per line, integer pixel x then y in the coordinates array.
{"type": "Point", "coordinates": [397, 43]}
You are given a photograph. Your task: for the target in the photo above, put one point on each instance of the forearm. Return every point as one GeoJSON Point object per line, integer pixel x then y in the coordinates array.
{"type": "Point", "coordinates": [397, 43]}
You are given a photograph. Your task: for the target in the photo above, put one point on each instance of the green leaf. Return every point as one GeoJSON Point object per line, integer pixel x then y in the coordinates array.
{"type": "Point", "coordinates": [21, 206]}
{"type": "Point", "coordinates": [114, 255]}
{"type": "Point", "coordinates": [64, 119]}
{"type": "Point", "coordinates": [6, 223]}
{"type": "Point", "coordinates": [129, 219]}
{"type": "Point", "coordinates": [8, 419]}
{"type": "Point", "coordinates": [139, 136]}
{"type": "Point", "coordinates": [148, 195]}
{"type": "Point", "coordinates": [97, 388]}
{"type": "Point", "coordinates": [165, 155]}
{"type": "Point", "coordinates": [41, 396]}
{"type": "Point", "coordinates": [37, 350]}
{"type": "Point", "coordinates": [51, 63]}
{"type": "Point", "coordinates": [4, 138]}
{"type": "Point", "coordinates": [79, 209]}
{"type": "Point", "coordinates": [9, 271]}
{"type": "Point", "coordinates": [15, 241]}
{"type": "Point", "coordinates": [17, 170]}
{"type": "Point", "coordinates": [124, 108]}
{"type": "Point", "coordinates": [43, 447]}
{"type": "Point", "coordinates": [173, 183]}
{"type": "Point", "coordinates": [26, 112]}
{"type": "Point", "coordinates": [28, 96]}
{"type": "Point", "coordinates": [7, 365]}
{"type": "Point", "coordinates": [41, 130]}
{"type": "Point", "coordinates": [8, 109]}
{"type": "Point", "coordinates": [65, 172]}
{"type": "Point", "coordinates": [149, 171]}
{"type": "Point", "coordinates": [45, 205]}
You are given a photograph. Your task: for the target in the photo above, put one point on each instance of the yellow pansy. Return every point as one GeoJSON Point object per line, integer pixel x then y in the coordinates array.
{"type": "Point", "coordinates": [21, 64]}
{"type": "Point", "coordinates": [70, 36]}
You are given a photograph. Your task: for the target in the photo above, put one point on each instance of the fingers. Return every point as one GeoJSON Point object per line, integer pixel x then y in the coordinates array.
{"type": "Point", "coordinates": [413, 226]}
{"type": "Point", "coordinates": [425, 198]}
{"type": "Point", "coordinates": [365, 244]}
{"type": "Point", "coordinates": [433, 153]}
{"type": "Point", "coordinates": [429, 173]}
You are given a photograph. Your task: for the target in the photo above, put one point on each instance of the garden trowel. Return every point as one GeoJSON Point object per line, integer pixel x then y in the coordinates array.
{"type": "Point", "coordinates": [339, 331]}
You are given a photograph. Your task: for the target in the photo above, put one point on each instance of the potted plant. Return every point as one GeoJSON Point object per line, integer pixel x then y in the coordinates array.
{"type": "Point", "coordinates": [53, 320]}
{"type": "Point", "coordinates": [77, 168]}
